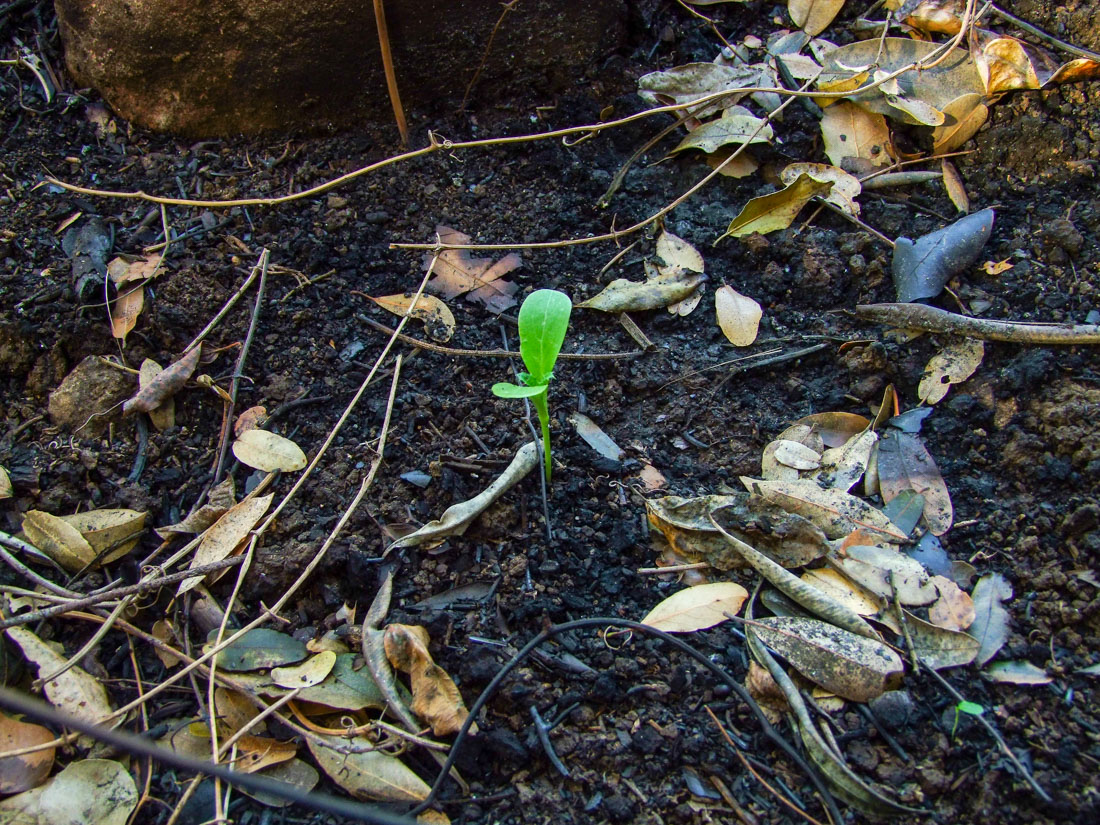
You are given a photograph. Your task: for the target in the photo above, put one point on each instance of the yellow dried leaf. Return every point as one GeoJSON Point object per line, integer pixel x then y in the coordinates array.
{"type": "Point", "coordinates": [770, 213]}
{"type": "Point", "coordinates": [697, 608]}
{"type": "Point", "coordinates": [814, 16]}
{"type": "Point", "coordinates": [436, 315]}
{"type": "Point", "coordinates": [268, 451]}
{"type": "Point", "coordinates": [58, 539]}
{"type": "Point", "coordinates": [738, 316]}
{"type": "Point", "coordinates": [436, 699]}
{"type": "Point", "coordinates": [226, 533]}
{"type": "Point", "coordinates": [956, 189]}
{"type": "Point", "coordinates": [852, 132]}
{"type": "Point", "coordinates": [953, 364]}
{"type": "Point", "coordinates": [75, 691]}
{"type": "Point", "coordinates": [163, 416]}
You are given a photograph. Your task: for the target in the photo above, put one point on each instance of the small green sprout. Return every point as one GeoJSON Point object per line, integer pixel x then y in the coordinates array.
{"type": "Point", "coordinates": [971, 708]}
{"type": "Point", "coordinates": [543, 320]}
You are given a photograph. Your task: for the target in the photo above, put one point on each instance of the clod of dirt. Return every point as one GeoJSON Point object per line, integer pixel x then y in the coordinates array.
{"type": "Point", "coordinates": [89, 395]}
{"type": "Point", "coordinates": [16, 352]}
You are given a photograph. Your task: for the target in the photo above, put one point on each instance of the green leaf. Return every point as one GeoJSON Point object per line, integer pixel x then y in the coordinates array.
{"type": "Point", "coordinates": [973, 708]}
{"type": "Point", "coordinates": [543, 321]}
{"type": "Point", "coordinates": [505, 390]}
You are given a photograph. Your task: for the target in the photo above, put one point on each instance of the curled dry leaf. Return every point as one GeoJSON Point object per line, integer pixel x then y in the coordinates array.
{"type": "Point", "coordinates": [435, 698]}
{"type": "Point", "coordinates": [683, 84]}
{"type": "Point", "coordinates": [834, 428]}
{"type": "Point", "coordinates": [58, 539]}
{"type": "Point", "coordinates": [845, 187]}
{"type": "Point", "coordinates": [842, 467]}
{"type": "Point", "coordinates": [21, 773]}
{"type": "Point", "coordinates": [836, 512]}
{"type": "Point", "coordinates": [677, 254]}
{"type": "Point", "coordinates": [254, 753]}
{"type": "Point", "coordinates": [770, 213]}
{"type": "Point", "coordinates": [697, 608]}
{"type": "Point", "coordinates": [838, 586]}
{"type": "Point", "coordinates": [622, 295]}
{"type": "Point", "coordinates": [956, 189]}
{"type": "Point", "coordinates": [225, 534]}
{"type": "Point", "coordinates": [88, 791]}
{"type": "Point", "coordinates": [953, 364]}
{"type": "Point", "coordinates": [438, 319]}
{"type": "Point", "coordinates": [268, 451]}
{"type": "Point", "coordinates": [6, 490]}
{"type": "Point", "coordinates": [855, 667]}
{"type": "Point", "coordinates": [903, 463]}
{"type": "Point", "coordinates": [111, 533]}
{"type": "Point", "coordinates": [990, 626]}
{"type": "Point", "coordinates": [165, 384]}
{"type": "Point", "coordinates": [457, 517]}
{"type": "Point", "coordinates": [963, 117]}
{"type": "Point", "coordinates": [367, 775]}
{"type": "Point", "coordinates": [250, 419]}
{"type": "Point", "coordinates": [163, 416]}
{"type": "Point", "coordinates": [854, 134]}
{"type": "Point", "coordinates": [762, 687]}
{"type": "Point", "coordinates": [738, 316]}
{"type": "Point", "coordinates": [75, 691]}
{"type": "Point", "coordinates": [458, 273]}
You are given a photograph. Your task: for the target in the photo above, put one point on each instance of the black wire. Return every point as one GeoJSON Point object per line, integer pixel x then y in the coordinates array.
{"type": "Point", "coordinates": [679, 644]}
{"type": "Point", "coordinates": [140, 746]}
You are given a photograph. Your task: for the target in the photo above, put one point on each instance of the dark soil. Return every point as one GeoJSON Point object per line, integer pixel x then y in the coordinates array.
{"type": "Point", "coordinates": [1017, 444]}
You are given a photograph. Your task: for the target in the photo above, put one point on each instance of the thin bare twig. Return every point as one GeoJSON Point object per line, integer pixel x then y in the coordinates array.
{"type": "Point", "coordinates": [509, 6]}
{"type": "Point", "coordinates": [387, 68]}
{"type": "Point", "coordinates": [236, 296]}
{"type": "Point", "coordinates": [933, 319]}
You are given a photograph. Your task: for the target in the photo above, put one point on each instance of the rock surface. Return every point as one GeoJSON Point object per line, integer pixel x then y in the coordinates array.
{"type": "Point", "coordinates": [206, 68]}
{"type": "Point", "coordinates": [90, 397]}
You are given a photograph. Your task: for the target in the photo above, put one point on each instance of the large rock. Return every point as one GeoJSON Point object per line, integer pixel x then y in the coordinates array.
{"type": "Point", "coordinates": [208, 68]}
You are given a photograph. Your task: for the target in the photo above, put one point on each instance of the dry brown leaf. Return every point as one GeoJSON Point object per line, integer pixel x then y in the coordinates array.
{"type": "Point", "coordinates": [814, 16]}
{"type": "Point", "coordinates": [850, 133]}
{"type": "Point", "coordinates": [75, 691]}
{"type": "Point", "coordinates": [762, 687]}
{"type": "Point", "coordinates": [938, 647]}
{"type": "Point", "coordinates": [844, 590]}
{"type": "Point", "coordinates": [888, 573]}
{"type": "Point", "coordinates": [6, 490]}
{"type": "Point", "coordinates": [164, 385]}
{"type": "Point", "coordinates": [795, 454]}
{"type": "Point", "coordinates": [738, 316]}
{"type": "Point", "coordinates": [903, 463]}
{"type": "Point", "coordinates": [268, 451]}
{"type": "Point", "coordinates": [254, 753]}
{"type": "Point", "coordinates": [21, 773]}
{"type": "Point", "coordinates": [963, 117]}
{"type": "Point", "coordinates": [164, 630]}
{"type": "Point", "coordinates": [58, 539]}
{"type": "Point", "coordinates": [697, 608]}
{"type": "Point", "coordinates": [775, 211]}
{"type": "Point", "coordinates": [676, 253]}
{"type": "Point", "coordinates": [855, 667]}
{"type": "Point", "coordinates": [845, 187]}
{"type": "Point", "coordinates": [953, 364]}
{"type": "Point", "coordinates": [740, 167]}
{"type": "Point", "coordinates": [956, 189]}
{"type": "Point", "coordinates": [435, 698]}
{"type": "Point", "coordinates": [86, 792]}
{"type": "Point", "coordinates": [841, 467]}
{"type": "Point", "coordinates": [250, 419]}
{"type": "Point", "coordinates": [835, 428]}
{"type": "Point", "coordinates": [225, 534]}
{"type": "Point", "coordinates": [836, 512]}
{"type": "Point", "coordinates": [954, 609]}
{"type": "Point", "coordinates": [458, 273]}
{"type": "Point", "coordinates": [163, 416]}
{"type": "Point", "coordinates": [111, 532]}
{"type": "Point", "coordinates": [126, 309]}
{"type": "Point", "coordinates": [438, 319]}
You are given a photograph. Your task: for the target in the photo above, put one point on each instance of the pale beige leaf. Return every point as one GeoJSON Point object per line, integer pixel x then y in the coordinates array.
{"type": "Point", "coordinates": [914, 110]}
{"type": "Point", "coordinates": [58, 539]}
{"type": "Point", "coordinates": [770, 213]}
{"type": "Point", "coordinates": [21, 773]}
{"type": "Point", "coordinates": [312, 671]}
{"type": "Point", "coordinates": [834, 428]}
{"type": "Point", "coordinates": [771, 469]}
{"type": "Point", "coordinates": [956, 362]}
{"type": "Point", "coordinates": [954, 609]}
{"type": "Point", "coordinates": [1017, 673]}
{"type": "Point", "coordinates": [457, 273]}
{"type": "Point", "coordinates": [225, 534]}
{"type": "Point", "coordinates": [741, 166]}
{"type": "Point", "coordinates": [6, 490]}
{"type": "Point", "coordinates": [834, 511]}
{"type": "Point", "coordinates": [592, 435]}
{"type": "Point", "coordinates": [845, 187]}
{"type": "Point", "coordinates": [268, 451]}
{"type": "Point", "coordinates": [852, 132]}
{"type": "Point", "coordinates": [886, 572]}
{"type": "Point", "coordinates": [75, 691]}
{"type": "Point", "coordinates": [86, 792]}
{"type": "Point", "coordinates": [843, 589]}
{"type": "Point", "coordinates": [732, 127]}
{"type": "Point", "coordinates": [436, 315]}
{"type": "Point", "coordinates": [164, 630]}
{"type": "Point", "coordinates": [111, 533]}
{"type": "Point", "coordinates": [842, 467]}
{"type": "Point", "coordinates": [938, 647]}
{"type": "Point", "coordinates": [814, 16]}
{"type": "Point", "coordinates": [165, 384]}
{"type": "Point", "coordinates": [956, 189]}
{"type": "Point", "coordinates": [676, 252]}
{"type": "Point", "coordinates": [369, 775]}
{"type": "Point", "coordinates": [796, 455]}
{"type": "Point", "coordinates": [622, 295]}
{"type": "Point", "coordinates": [738, 316]}
{"type": "Point", "coordinates": [697, 608]}
{"type": "Point", "coordinates": [855, 667]}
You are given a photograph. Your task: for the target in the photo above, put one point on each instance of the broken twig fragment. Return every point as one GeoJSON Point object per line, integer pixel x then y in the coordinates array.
{"type": "Point", "coordinates": [933, 319]}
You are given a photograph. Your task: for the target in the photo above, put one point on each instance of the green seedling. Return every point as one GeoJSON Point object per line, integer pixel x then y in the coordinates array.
{"type": "Point", "coordinates": [543, 320]}
{"type": "Point", "coordinates": [971, 708]}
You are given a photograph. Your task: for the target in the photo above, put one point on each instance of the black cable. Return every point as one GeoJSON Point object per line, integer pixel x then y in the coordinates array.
{"type": "Point", "coordinates": [682, 646]}
{"type": "Point", "coordinates": [139, 746]}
